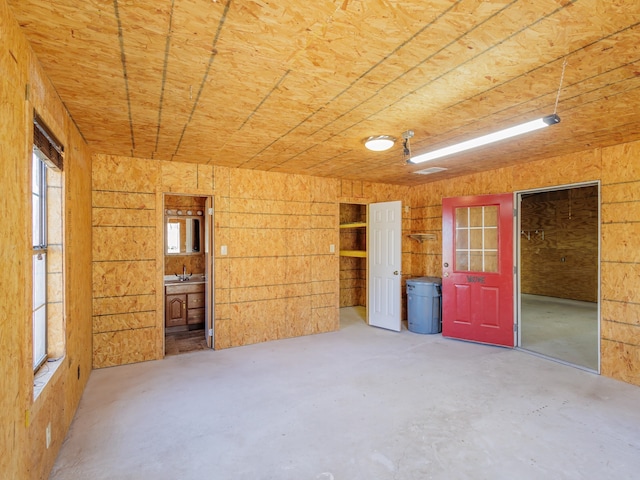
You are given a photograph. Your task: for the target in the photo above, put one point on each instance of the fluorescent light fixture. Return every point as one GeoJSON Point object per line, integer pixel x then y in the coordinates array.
{"type": "Point", "coordinates": [486, 139]}
{"type": "Point", "coordinates": [379, 143]}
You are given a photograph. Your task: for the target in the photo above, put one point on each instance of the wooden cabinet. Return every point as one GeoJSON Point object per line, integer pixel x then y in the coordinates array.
{"type": "Point", "coordinates": [175, 310]}
{"type": "Point", "coordinates": [184, 305]}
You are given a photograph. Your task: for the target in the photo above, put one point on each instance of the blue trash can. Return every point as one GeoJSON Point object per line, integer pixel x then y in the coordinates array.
{"type": "Point", "coordinates": [424, 304]}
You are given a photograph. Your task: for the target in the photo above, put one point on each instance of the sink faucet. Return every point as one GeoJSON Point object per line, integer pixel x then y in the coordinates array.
{"type": "Point", "coordinates": [184, 277]}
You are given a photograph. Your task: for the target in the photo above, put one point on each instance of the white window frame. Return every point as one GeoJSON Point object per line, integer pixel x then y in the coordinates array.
{"type": "Point", "coordinates": [39, 235]}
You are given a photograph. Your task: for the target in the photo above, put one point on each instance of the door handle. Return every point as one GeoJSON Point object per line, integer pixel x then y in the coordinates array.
{"type": "Point", "coordinates": [396, 272]}
{"type": "Point", "coordinates": [446, 274]}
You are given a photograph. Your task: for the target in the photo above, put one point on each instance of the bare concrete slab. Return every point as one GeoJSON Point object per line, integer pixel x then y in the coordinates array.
{"type": "Point", "coordinates": [358, 404]}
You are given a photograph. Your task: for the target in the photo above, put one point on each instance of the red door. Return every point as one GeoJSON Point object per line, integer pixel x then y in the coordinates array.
{"type": "Point", "coordinates": [477, 273]}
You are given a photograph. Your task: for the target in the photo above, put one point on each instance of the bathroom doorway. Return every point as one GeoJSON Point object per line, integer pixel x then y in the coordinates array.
{"type": "Point", "coordinates": [558, 274]}
{"type": "Point", "coordinates": [188, 299]}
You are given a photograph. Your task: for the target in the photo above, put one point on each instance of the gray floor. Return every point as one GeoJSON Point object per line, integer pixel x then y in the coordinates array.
{"type": "Point", "coordinates": [563, 329]}
{"type": "Point", "coordinates": [361, 403]}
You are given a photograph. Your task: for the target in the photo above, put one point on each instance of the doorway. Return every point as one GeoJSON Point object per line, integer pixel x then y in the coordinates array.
{"type": "Point", "coordinates": [371, 261]}
{"type": "Point", "coordinates": [187, 274]}
{"type": "Point", "coordinates": [558, 274]}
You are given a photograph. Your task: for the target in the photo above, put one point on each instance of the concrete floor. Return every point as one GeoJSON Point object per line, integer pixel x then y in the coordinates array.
{"type": "Point", "coordinates": [361, 403]}
{"type": "Point", "coordinates": [563, 329]}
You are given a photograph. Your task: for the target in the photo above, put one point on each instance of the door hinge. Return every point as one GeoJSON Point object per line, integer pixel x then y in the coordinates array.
{"type": "Point", "coordinates": [515, 269]}
{"type": "Point", "coordinates": [515, 328]}
{"type": "Point", "coordinates": [515, 212]}
{"type": "Point", "coordinates": [211, 332]}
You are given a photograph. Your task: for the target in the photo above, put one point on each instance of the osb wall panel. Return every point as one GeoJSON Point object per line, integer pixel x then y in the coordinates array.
{"type": "Point", "coordinates": [15, 376]}
{"type": "Point", "coordinates": [122, 174]}
{"type": "Point", "coordinates": [620, 312]}
{"type": "Point", "coordinates": [194, 264]}
{"type": "Point", "coordinates": [124, 260]}
{"type": "Point", "coordinates": [124, 346]}
{"type": "Point", "coordinates": [559, 244]}
{"type": "Point", "coordinates": [277, 280]}
{"type": "Point", "coordinates": [23, 420]}
{"type": "Point", "coordinates": [426, 255]}
{"type": "Point", "coordinates": [278, 230]}
{"type": "Point", "coordinates": [127, 253]}
{"type": "Point", "coordinates": [353, 277]}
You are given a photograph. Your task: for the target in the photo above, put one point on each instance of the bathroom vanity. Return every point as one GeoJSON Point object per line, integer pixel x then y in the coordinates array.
{"type": "Point", "coordinates": [184, 304]}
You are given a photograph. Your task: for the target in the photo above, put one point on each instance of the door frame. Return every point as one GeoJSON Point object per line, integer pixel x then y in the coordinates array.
{"type": "Point", "coordinates": [209, 251]}
{"type": "Point", "coordinates": [517, 291]}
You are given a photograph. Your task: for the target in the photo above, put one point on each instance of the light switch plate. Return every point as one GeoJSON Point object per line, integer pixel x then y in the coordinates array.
{"type": "Point", "coordinates": [332, 248]}
{"type": "Point", "coordinates": [223, 250]}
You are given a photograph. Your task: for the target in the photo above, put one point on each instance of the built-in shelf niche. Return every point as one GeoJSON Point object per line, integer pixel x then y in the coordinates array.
{"type": "Point", "coordinates": [353, 254]}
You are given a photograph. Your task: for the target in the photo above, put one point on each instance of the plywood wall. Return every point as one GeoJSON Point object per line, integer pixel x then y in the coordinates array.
{"type": "Point", "coordinates": [23, 419]}
{"type": "Point", "coordinates": [620, 267]}
{"type": "Point", "coordinates": [618, 170]}
{"type": "Point", "coordinates": [278, 279]}
{"type": "Point", "coordinates": [125, 266]}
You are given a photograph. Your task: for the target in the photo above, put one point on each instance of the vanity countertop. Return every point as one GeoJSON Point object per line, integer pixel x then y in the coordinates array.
{"type": "Point", "coordinates": [194, 279]}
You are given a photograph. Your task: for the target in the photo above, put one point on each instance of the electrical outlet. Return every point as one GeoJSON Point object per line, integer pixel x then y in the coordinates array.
{"type": "Point", "coordinates": [223, 250]}
{"type": "Point", "coordinates": [332, 248]}
{"type": "Point", "coordinates": [48, 434]}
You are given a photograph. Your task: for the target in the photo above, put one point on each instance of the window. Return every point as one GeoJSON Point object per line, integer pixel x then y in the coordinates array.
{"type": "Point", "coordinates": [39, 208]}
{"type": "Point", "coordinates": [47, 265]}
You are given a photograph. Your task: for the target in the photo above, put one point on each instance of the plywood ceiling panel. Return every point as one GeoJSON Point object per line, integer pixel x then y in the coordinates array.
{"type": "Point", "coordinates": [293, 86]}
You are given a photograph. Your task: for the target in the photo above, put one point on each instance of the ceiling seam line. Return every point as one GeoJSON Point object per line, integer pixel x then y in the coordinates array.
{"type": "Point", "coordinates": [167, 48]}
{"type": "Point", "coordinates": [452, 42]}
{"type": "Point", "coordinates": [345, 90]}
{"type": "Point", "coordinates": [546, 94]}
{"type": "Point", "coordinates": [555, 60]}
{"type": "Point", "coordinates": [445, 73]}
{"type": "Point", "coordinates": [214, 52]}
{"type": "Point", "coordinates": [425, 60]}
{"type": "Point", "coordinates": [463, 63]}
{"type": "Point", "coordinates": [123, 59]}
{"type": "Point", "coordinates": [275, 87]}
{"type": "Point", "coordinates": [564, 101]}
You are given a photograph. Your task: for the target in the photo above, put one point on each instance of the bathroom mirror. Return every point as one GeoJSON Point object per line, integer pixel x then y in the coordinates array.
{"type": "Point", "coordinates": [183, 235]}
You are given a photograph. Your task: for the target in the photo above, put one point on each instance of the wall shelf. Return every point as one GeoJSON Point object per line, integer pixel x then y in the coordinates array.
{"type": "Point", "coordinates": [421, 237]}
{"type": "Point", "coordinates": [353, 225]}
{"type": "Point", "coordinates": [353, 253]}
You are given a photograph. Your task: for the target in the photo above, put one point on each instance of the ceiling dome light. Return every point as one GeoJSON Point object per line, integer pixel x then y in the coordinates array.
{"type": "Point", "coordinates": [379, 143]}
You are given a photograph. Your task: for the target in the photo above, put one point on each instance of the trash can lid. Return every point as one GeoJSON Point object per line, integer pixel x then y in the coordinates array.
{"type": "Point", "coordinates": [435, 280]}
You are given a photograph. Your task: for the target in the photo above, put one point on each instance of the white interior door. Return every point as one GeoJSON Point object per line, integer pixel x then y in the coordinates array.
{"type": "Point", "coordinates": [384, 252]}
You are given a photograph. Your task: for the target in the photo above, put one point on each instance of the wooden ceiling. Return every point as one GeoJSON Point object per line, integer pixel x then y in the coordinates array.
{"type": "Point", "coordinates": [295, 86]}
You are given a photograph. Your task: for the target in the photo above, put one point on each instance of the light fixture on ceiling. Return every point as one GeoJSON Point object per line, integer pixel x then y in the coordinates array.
{"type": "Point", "coordinates": [379, 143]}
{"type": "Point", "coordinates": [486, 139]}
